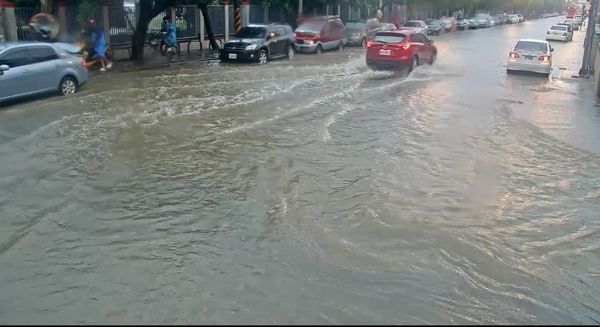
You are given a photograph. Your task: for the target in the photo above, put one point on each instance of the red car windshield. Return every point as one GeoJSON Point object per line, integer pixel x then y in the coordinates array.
{"type": "Point", "coordinates": [311, 27]}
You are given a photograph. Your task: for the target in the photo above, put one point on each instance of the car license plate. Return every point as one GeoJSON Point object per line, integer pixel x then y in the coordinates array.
{"type": "Point", "coordinates": [529, 57]}
{"type": "Point", "coordinates": [385, 52]}
{"type": "Point", "coordinates": [233, 56]}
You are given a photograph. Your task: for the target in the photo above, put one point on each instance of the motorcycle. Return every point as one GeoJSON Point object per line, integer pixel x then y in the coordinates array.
{"type": "Point", "coordinates": [158, 42]}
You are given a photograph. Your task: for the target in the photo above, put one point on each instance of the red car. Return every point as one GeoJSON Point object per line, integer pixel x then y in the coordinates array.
{"type": "Point", "coordinates": [320, 34]}
{"type": "Point", "coordinates": [396, 49]}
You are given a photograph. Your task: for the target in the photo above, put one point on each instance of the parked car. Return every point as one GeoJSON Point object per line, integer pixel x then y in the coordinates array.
{"type": "Point", "coordinates": [569, 28]}
{"type": "Point", "coordinates": [386, 27]}
{"type": "Point", "coordinates": [358, 32]}
{"type": "Point", "coordinates": [483, 20]}
{"type": "Point", "coordinates": [434, 26]}
{"type": "Point", "coordinates": [521, 18]}
{"type": "Point", "coordinates": [321, 33]}
{"type": "Point", "coordinates": [514, 19]}
{"type": "Point", "coordinates": [449, 24]}
{"type": "Point", "coordinates": [260, 43]}
{"type": "Point", "coordinates": [416, 25]}
{"type": "Point", "coordinates": [462, 24]}
{"type": "Point", "coordinates": [573, 22]}
{"type": "Point", "coordinates": [473, 23]}
{"type": "Point", "coordinates": [579, 19]}
{"type": "Point", "coordinates": [532, 56]}
{"type": "Point", "coordinates": [398, 49]}
{"type": "Point", "coordinates": [559, 33]}
{"type": "Point", "coordinates": [30, 68]}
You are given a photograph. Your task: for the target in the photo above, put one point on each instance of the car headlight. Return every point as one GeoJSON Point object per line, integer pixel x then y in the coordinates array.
{"type": "Point", "coordinates": [250, 47]}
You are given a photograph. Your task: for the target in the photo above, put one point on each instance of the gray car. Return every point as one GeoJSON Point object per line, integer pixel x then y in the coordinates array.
{"type": "Point", "coordinates": [31, 68]}
{"type": "Point", "coordinates": [358, 32]}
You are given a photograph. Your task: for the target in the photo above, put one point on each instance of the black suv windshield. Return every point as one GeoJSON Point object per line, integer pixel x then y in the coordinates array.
{"type": "Point", "coordinates": [248, 32]}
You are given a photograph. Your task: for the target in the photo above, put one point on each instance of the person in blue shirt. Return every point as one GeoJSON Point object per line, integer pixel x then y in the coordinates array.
{"type": "Point", "coordinates": [98, 45]}
{"type": "Point", "coordinates": [170, 30]}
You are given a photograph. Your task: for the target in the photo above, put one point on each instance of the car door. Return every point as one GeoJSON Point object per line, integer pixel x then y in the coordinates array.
{"type": "Point", "coordinates": [271, 41]}
{"type": "Point", "coordinates": [419, 44]}
{"type": "Point", "coordinates": [47, 67]}
{"type": "Point", "coordinates": [326, 37]}
{"type": "Point", "coordinates": [282, 41]}
{"type": "Point", "coordinates": [427, 48]}
{"type": "Point", "coordinates": [19, 79]}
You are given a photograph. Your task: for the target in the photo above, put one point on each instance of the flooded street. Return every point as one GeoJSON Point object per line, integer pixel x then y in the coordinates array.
{"type": "Point", "coordinates": [312, 191]}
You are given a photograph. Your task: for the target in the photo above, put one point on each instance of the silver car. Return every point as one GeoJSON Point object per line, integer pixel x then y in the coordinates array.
{"type": "Point", "coordinates": [30, 68]}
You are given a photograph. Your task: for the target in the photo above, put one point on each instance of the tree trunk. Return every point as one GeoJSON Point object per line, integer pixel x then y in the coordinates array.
{"type": "Point", "coordinates": [147, 13]}
{"type": "Point", "coordinates": [208, 26]}
{"type": "Point", "coordinates": [139, 35]}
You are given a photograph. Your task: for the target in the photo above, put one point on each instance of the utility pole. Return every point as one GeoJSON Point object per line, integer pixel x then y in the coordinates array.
{"type": "Point", "coordinates": [586, 64]}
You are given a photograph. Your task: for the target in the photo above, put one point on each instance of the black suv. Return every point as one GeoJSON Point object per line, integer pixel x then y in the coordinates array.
{"type": "Point", "coordinates": [260, 43]}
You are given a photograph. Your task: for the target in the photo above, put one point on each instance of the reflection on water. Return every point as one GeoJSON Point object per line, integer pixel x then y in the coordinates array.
{"type": "Point", "coordinates": [303, 195]}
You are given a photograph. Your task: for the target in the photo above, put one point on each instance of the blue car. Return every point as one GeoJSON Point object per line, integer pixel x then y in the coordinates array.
{"type": "Point", "coordinates": [32, 68]}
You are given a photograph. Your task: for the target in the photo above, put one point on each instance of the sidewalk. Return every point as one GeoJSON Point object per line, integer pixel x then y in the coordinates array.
{"type": "Point", "coordinates": [153, 60]}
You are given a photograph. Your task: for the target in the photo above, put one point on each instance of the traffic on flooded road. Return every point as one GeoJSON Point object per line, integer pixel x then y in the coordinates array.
{"type": "Point", "coordinates": [312, 188]}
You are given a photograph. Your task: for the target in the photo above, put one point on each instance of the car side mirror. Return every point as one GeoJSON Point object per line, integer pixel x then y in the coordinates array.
{"type": "Point", "coordinates": [3, 68]}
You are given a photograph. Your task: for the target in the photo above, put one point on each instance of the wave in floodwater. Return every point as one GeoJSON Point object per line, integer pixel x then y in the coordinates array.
{"type": "Point", "coordinates": [301, 195]}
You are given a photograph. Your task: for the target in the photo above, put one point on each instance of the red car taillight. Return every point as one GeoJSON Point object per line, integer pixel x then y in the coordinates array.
{"type": "Point", "coordinates": [544, 58]}
{"type": "Point", "coordinates": [514, 55]}
{"type": "Point", "coordinates": [83, 63]}
{"type": "Point", "coordinates": [405, 46]}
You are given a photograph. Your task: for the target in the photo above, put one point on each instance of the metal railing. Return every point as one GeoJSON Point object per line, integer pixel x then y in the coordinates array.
{"type": "Point", "coordinates": [23, 16]}
{"type": "Point", "coordinates": [185, 21]}
{"type": "Point", "coordinates": [120, 25]}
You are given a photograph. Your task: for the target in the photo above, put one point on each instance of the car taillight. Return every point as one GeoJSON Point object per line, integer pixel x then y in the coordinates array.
{"type": "Point", "coordinates": [369, 44]}
{"type": "Point", "coordinates": [544, 58]}
{"type": "Point", "coordinates": [83, 62]}
{"type": "Point", "coordinates": [514, 55]}
{"type": "Point", "coordinates": [405, 46]}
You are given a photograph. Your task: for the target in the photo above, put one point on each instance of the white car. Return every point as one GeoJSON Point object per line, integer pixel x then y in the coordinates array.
{"type": "Point", "coordinates": [531, 56]}
{"type": "Point", "coordinates": [559, 33]}
{"type": "Point", "coordinates": [573, 22]}
{"type": "Point", "coordinates": [513, 19]}
{"type": "Point", "coordinates": [521, 18]}
{"type": "Point", "coordinates": [418, 25]}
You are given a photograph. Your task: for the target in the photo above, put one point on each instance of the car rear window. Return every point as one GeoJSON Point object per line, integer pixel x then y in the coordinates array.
{"type": "Point", "coordinates": [531, 46]}
{"type": "Point", "coordinates": [558, 28]}
{"type": "Point", "coordinates": [353, 26]}
{"type": "Point", "coordinates": [390, 38]}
